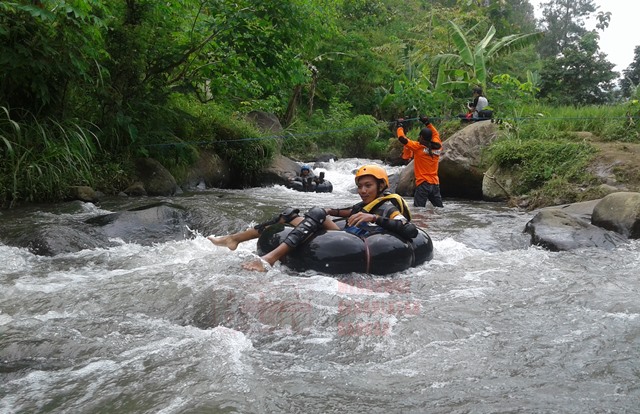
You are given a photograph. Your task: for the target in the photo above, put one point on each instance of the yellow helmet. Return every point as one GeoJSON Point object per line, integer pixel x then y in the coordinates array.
{"type": "Point", "coordinates": [374, 170]}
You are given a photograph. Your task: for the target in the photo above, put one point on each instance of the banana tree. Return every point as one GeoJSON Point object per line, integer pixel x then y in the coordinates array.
{"type": "Point", "coordinates": [469, 66]}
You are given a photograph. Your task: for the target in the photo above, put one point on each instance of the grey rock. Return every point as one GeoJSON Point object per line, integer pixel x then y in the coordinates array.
{"type": "Point", "coordinates": [619, 212]}
{"type": "Point", "coordinates": [557, 230]}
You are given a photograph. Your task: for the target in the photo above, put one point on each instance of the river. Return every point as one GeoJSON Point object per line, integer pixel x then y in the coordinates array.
{"type": "Point", "coordinates": [490, 325]}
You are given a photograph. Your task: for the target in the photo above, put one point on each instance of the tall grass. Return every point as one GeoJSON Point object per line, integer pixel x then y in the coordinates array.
{"type": "Point", "coordinates": [41, 159]}
{"type": "Point", "coordinates": [606, 123]}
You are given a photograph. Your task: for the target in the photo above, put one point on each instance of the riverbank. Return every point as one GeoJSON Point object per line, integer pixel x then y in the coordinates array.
{"type": "Point", "coordinates": [614, 167]}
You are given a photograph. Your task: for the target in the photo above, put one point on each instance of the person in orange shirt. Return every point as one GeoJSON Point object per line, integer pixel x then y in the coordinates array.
{"type": "Point", "coordinates": [407, 155]}
{"type": "Point", "coordinates": [426, 156]}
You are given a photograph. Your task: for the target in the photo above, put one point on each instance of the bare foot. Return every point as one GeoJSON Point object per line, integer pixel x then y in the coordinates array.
{"type": "Point", "coordinates": [225, 241]}
{"type": "Point", "coordinates": [257, 265]}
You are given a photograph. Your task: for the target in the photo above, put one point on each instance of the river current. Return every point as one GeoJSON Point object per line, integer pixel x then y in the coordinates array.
{"type": "Point", "coordinates": [490, 325]}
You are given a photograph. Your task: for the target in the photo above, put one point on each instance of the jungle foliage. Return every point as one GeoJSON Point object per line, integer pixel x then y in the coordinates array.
{"type": "Point", "coordinates": [88, 85]}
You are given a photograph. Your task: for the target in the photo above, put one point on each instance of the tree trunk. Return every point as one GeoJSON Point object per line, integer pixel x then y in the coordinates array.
{"type": "Point", "coordinates": [293, 105]}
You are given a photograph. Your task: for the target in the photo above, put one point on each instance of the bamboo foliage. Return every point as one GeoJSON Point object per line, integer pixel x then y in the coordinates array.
{"type": "Point", "coordinates": [468, 67]}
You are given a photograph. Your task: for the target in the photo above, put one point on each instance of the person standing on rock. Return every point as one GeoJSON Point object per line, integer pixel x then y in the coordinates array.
{"type": "Point", "coordinates": [426, 157]}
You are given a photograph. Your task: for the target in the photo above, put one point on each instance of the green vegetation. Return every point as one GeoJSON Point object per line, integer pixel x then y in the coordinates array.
{"type": "Point", "coordinates": [44, 158]}
{"type": "Point", "coordinates": [550, 148]}
{"type": "Point", "coordinates": [538, 161]}
{"type": "Point", "coordinates": [88, 86]}
{"type": "Point", "coordinates": [608, 123]}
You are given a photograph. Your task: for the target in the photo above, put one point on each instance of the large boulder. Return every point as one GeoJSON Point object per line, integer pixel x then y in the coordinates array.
{"type": "Point", "coordinates": [461, 171]}
{"type": "Point", "coordinates": [208, 171]}
{"type": "Point", "coordinates": [498, 183]}
{"type": "Point", "coordinates": [581, 210]}
{"type": "Point", "coordinates": [406, 182]}
{"type": "Point", "coordinates": [135, 189]}
{"type": "Point", "coordinates": [156, 180]}
{"type": "Point", "coordinates": [279, 171]}
{"type": "Point", "coordinates": [265, 121]}
{"type": "Point", "coordinates": [83, 193]}
{"type": "Point", "coordinates": [156, 223]}
{"type": "Point", "coordinates": [50, 239]}
{"type": "Point", "coordinates": [558, 230]}
{"type": "Point", "coordinates": [619, 212]}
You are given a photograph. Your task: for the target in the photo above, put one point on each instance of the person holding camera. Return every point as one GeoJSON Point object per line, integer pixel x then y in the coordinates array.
{"type": "Point", "coordinates": [479, 102]}
{"type": "Point", "coordinates": [426, 157]}
{"type": "Point", "coordinates": [476, 107]}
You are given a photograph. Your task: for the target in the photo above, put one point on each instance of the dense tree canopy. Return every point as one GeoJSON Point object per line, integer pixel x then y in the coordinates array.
{"type": "Point", "coordinates": [564, 23]}
{"type": "Point", "coordinates": [574, 70]}
{"type": "Point", "coordinates": [580, 76]}
{"type": "Point", "coordinates": [143, 75]}
{"type": "Point", "coordinates": [111, 62]}
{"type": "Point", "coordinates": [45, 51]}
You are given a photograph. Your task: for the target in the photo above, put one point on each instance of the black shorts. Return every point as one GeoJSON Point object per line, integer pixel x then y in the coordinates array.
{"type": "Point", "coordinates": [430, 192]}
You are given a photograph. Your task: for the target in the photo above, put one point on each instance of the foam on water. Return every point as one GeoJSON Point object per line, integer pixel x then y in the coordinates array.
{"type": "Point", "coordinates": [492, 326]}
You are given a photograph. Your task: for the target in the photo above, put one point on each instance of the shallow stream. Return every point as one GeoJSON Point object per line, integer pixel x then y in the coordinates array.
{"type": "Point", "coordinates": [490, 325]}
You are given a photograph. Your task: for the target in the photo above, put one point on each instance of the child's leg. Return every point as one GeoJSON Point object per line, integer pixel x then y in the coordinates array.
{"type": "Point", "coordinates": [304, 229]}
{"type": "Point", "coordinates": [232, 240]}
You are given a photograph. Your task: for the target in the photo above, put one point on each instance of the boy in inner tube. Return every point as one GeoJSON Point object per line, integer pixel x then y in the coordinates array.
{"type": "Point", "coordinates": [378, 210]}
